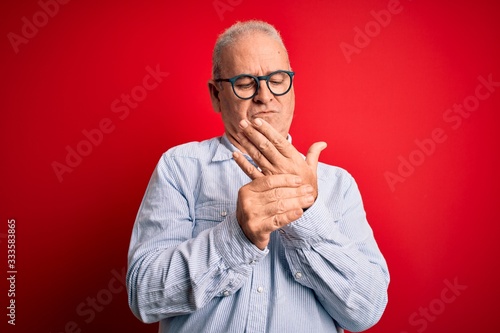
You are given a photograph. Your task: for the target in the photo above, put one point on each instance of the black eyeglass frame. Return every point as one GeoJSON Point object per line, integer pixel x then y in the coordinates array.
{"type": "Point", "coordinates": [258, 79]}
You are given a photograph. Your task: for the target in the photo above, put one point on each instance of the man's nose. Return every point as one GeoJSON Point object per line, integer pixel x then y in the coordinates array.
{"type": "Point", "coordinates": [264, 95]}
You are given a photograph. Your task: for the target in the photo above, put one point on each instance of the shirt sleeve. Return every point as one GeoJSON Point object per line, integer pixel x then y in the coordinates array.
{"type": "Point", "coordinates": [170, 273]}
{"type": "Point", "coordinates": [331, 249]}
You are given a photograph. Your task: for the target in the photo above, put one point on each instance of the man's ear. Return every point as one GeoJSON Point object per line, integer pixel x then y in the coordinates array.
{"type": "Point", "coordinates": [214, 95]}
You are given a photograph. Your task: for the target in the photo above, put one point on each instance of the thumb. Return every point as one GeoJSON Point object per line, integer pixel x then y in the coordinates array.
{"type": "Point", "coordinates": [312, 156]}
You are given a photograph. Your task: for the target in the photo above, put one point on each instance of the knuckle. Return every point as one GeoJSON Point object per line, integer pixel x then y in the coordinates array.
{"type": "Point", "coordinates": [256, 155]}
{"type": "Point", "coordinates": [276, 221]}
{"type": "Point", "coordinates": [268, 182]}
{"type": "Point", "coordinates": [280, 206]}
{"type": "Point", "coordinates": [278, 193]}
{"type": "Point", "coordinates": [264, 145]}
{"type": "Point", "coordinates": [270, 196]}
{"type": "Point", "coordinates": [249, 170]}
{"type": "Point", "coordinates": [296, 214]}
{"type": "Point", "coordinates": [267, 172]}
{"type": "Point", "coordinates": [243, 190]}
{"type": "Point", "coordinates": [279, 141]}
{"type": "Point", "coordinates": [244, 194]}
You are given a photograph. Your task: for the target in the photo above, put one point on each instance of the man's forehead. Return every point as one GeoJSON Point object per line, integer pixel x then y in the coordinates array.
{"type": "Point", "coordinates": [255, 43]}
{"type": "Point", "coordinates": [253, 54]}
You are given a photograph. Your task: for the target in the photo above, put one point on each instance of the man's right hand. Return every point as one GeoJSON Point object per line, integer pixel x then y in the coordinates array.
{"type": "Point", "coordinates": [268, 203]}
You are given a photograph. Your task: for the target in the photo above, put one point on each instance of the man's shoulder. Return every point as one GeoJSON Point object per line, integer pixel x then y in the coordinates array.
{"type": "Point", "coordinates": [194, 149]}
{"type": "Point", "coordinates": [327, 171]}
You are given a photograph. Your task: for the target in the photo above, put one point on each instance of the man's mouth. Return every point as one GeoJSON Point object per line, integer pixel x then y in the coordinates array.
{"type": "Point", "coordinates": [263, 113]}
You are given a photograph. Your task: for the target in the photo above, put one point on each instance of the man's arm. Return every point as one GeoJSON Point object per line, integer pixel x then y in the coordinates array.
{"type": "Point", "coordinates": [333, 248]}
{"type": "Point", "coordinates": [171, 273]}
{"type": "Point", "coordinates": [330, 248]}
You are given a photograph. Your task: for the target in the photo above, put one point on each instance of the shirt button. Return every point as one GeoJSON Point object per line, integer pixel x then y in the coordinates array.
{"type": "Point", "coordinates": [253, 262]}
{"type": "Point", "coordinates": [223, 213]}
{"type": "Point", "coordinates": [260, 289]}
{"type": "Point", "coordinates": [298, 275]}
{"type": "Point", "coordinates": [225, 293]}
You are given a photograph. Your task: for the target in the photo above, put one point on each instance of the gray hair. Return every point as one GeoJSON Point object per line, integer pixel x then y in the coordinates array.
{"type": "Point", "coordinates": [231, 35]}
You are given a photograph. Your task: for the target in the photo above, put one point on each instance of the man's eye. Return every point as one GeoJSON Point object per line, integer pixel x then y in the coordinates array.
{"type": "Point", "coordinates": [245, 86]}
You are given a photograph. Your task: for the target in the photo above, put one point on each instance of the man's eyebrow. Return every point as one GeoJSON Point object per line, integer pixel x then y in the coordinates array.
{"type": "Point", "coordinates": [256, 74]}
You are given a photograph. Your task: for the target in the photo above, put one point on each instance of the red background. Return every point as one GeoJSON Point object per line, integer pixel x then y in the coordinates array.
{"type": "Point", "coordinates": [73, 233]}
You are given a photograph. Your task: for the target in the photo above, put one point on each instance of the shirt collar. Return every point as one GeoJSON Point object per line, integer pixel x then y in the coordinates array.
{"type": "Point", "coordinates": [225, 149]}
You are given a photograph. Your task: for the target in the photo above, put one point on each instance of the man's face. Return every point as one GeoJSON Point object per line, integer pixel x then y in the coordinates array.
{"type": "Point", "coordinates": [255, 54]}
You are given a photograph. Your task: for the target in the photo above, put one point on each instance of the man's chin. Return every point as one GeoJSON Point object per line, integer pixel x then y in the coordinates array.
{"type": "Point", "coordinates": [269, 117]}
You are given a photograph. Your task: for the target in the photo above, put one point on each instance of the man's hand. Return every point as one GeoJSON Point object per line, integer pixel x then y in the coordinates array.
{"type": "Point", "coordinates": [275, 155]}
{"type": "Point", "coordinates": [269, 203]}
{"type": "Point", "coordinates": [285, 185]}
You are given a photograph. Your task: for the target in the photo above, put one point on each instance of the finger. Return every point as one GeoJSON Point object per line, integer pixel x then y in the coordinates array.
{"type": "Point", "coordinates": [282, 193]}
{"type": "Point", "coordinates": [313, 153]}
{"type": "Point", "coordinates": [257, 156]}
{"type": "Point", "coordinates": [278, 221]}
{"type": "Point", "coordinates": [248, 168]}
{"type": "Point", "coordinates": [280, 142]}
{"type": "Point", "coordinates": [265, 141]}
{"type": "Point", "coordinates": [266, 183]}
{"type": "Point", "coordinates": [281, 206]}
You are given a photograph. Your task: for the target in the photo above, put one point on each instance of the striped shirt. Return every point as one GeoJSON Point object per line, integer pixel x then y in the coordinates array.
{"type": "Point", "coordinates": [191, 267]}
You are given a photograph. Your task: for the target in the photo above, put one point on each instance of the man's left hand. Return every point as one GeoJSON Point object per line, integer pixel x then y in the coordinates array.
{"type": "Point", "coordinates": [274, 154]}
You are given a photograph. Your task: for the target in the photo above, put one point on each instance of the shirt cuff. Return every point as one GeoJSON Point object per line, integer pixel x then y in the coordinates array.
{"type": "Point", "coordinates": [315, 225]}
{"type": "Point", "coordinates": [234, 247]}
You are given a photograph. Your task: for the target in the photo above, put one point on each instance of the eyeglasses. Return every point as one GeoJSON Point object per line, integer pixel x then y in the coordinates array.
{"type": "Point", "coordinates": [246, 86]}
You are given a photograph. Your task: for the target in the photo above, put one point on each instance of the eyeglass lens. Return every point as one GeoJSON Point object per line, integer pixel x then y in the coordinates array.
{"type": "Point", "coordinates": [278, 83]}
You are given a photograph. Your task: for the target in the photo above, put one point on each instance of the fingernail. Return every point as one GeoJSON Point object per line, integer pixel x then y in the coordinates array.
{"type": "Point", "coordinates": [309, 189]}
{"type": "Point", "coordinates": [243, 123]}
{"type": "Point", "coordinates": [258, 122]}
{"type": "Point", "coordinates": [309, 198]}
{"type": "Point", "coordinates": [297, 180]}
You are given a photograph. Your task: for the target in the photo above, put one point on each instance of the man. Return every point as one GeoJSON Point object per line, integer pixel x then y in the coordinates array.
{"type": "Point", "coordinates": [241, 233]}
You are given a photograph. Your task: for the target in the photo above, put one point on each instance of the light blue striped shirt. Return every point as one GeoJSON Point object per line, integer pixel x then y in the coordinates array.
{"type": "Point", "coordinates": [192, 268]}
